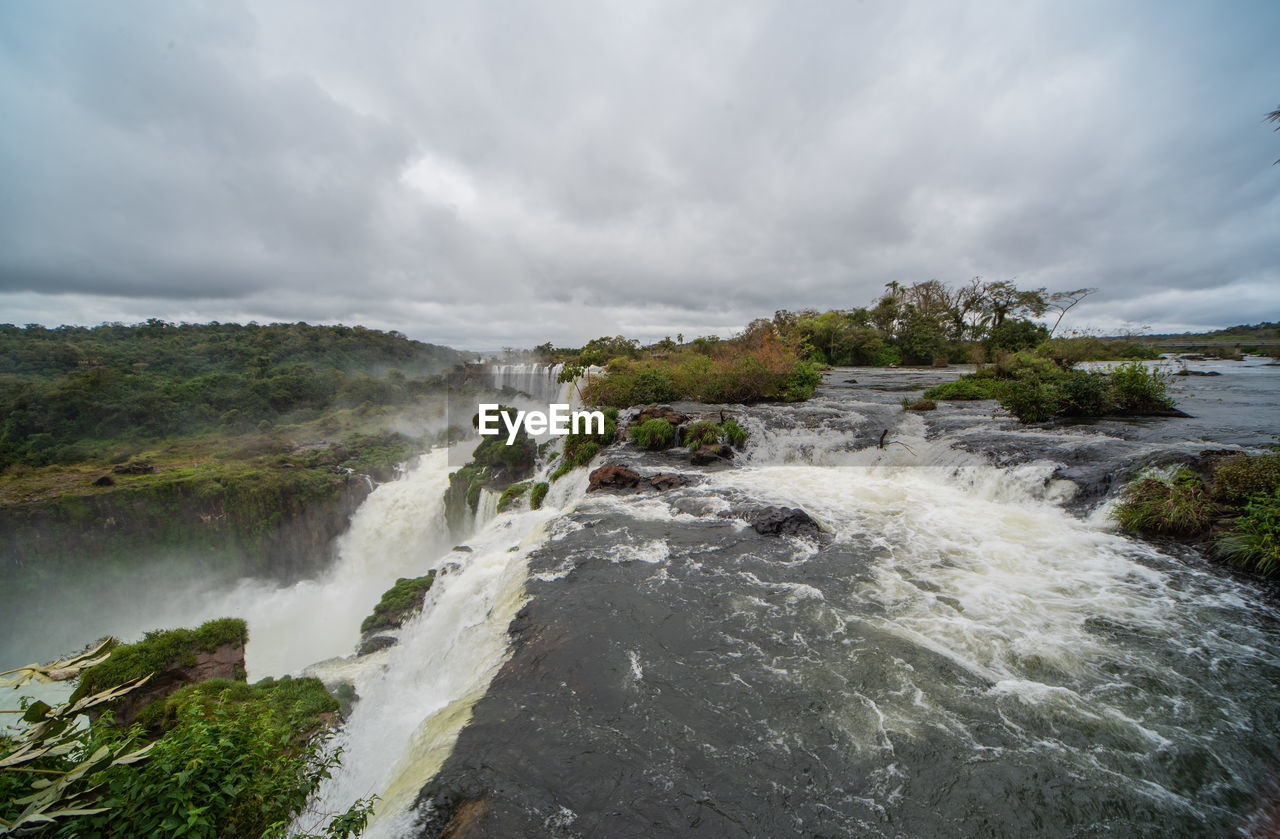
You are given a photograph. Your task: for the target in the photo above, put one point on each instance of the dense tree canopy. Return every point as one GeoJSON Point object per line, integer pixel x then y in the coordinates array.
{"type": "Point", "coordinates": [63, 391]}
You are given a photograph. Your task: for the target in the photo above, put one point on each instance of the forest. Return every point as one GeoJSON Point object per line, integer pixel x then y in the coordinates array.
{"type": "Point", "coordinates": [70, 393]}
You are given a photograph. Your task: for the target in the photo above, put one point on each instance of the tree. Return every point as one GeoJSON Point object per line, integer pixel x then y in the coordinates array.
{"type": "Point", "coordinates": [1062, 302]}
{"type": "Point", "coordinates": [1005, 300]}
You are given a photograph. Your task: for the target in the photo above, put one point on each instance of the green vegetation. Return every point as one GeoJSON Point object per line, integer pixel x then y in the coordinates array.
{"type": "Point", "coordinates": [966, 388]}
{"type": "Point", "coordinates": [463, 494]}
{"type": "Point", "coordinates": [653, 434]}
{"type": "Point", "coordinates": [229, 759]}
{"type": "Point", "coordinates": [707, 433]}
{"type": "Point", "coordinates": [511, 494]}
{"type": "Point", "coordinates": [580, 448]}
{"type": "Point", "coordinates": [537, 494]}
{"type": "Point", "coordinates": [511, 461]}
{"type": "Point", "coordinates": [755, 366]}
{"type": "Point", "coordinates": [1240, 503]}
{"type": "Point", "coordinates": [298, 706]}
{"type": "Point", "coordinates": [1238, 478]}
{"type": "Point", "coordinates": [398, 602]}
{"type": "Point", "coordinates": [1069, 351]}
{"type": "Point", "coordinates": [158, 651]}
{"type": "Point", "coordinates": [1253, 541]}
{"type": "Point", "coordinates": [733, 433]}
{"type": "Point", "coordinates": [1177, 506]}
{"type": "Point", "coordinates": [697, 434]}
{"type": "Point", "coordinates": [1138, 389]}
{"type": "Point", "coordinates": [1035, 389]}
{"type": "Point", "coordinates": [1256, 339]}
{"type": "Point", "coordinates": [929, 322]}
{"type": "Point", "coordinates": [225, 768]}
{"type": "Point", "coordinates": [70, 394]}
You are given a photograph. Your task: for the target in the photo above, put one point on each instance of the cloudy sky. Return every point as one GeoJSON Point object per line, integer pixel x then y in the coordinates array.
{"type": "Point", "coordinates": [505, 173]}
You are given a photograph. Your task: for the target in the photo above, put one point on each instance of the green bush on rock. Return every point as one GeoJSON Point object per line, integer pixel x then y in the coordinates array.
{"type": "Point", "coordinates": [656, 433]}
{"type": "Point", "coordinates": [537, 494]}
{"type": "Point", "coordinates": [398, 602]}
{"type": "Point", "coordinates": [159, 650]}
{"type": "Point", "coordinates": [1254, 538]}
{"type": "Point", "coordinates": [1179, 505]}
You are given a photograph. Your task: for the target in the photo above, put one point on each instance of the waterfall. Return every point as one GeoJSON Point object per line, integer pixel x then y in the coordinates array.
{"type": "Point", "coordinates": [957, 653]}
{"type": "Point", "coordinates": [415, 697]}
{"type": "Point", "coordinates": [397, 532]}
{"type": "Point", "coordinates": [539, 381]}
{"type": "Point", "coordinates": [487, 509]}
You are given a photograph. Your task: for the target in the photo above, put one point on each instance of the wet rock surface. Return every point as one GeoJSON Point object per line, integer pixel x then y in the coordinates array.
{"type": "Point", "coordinates": [618, 477]}
{"type": "Point", "coordinates": [782, 521]}
{"type": "Point", "coordinates": [679, 670]}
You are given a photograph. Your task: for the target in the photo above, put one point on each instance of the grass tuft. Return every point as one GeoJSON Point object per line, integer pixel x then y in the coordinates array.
{"type": "Point", "coordinates": [1179, 506]}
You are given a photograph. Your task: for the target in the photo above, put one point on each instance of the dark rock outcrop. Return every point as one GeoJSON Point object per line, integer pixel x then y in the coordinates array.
{"type": "Point", "coordinates": [667, 480]}
{"type": "Point", "coordinates": [619, 477]}
{"type": "Point", "coordinates": [124, 528]}
{"type": "Point", "coordinates": [613, 476]}
{"type": "Point", "coordinates": [373, 643]}
{"type": "Point", "coordinates": [711, 454]}
{"type": "Point", "coordinates": [661, 412]}
{"type": "Point", "coordinates": [783, 521]}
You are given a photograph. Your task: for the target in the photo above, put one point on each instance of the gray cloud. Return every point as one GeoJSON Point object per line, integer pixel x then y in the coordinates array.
{"type": "Point", "coordinates": [485, 175]}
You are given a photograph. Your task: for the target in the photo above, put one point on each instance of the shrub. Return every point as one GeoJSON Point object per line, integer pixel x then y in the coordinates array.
{"type": "Point", "coordinates": [1084, 394]}
{"type": "Point", "coordinates": [1241, 476]}
{"type": "Point", "coordinates": [1030, 399]}
{"type": "Point", "coordinates": [969, 387]}
{"type": "Point", "coordinates": [580, 448]}
{"type": "Point", "coordinates": [510, 494]}
{"type": "Point", "coordinates": [923, 405]}
{"type": "Point", "coordinates": [1254, 539]}
{"type": "Point", "coordinates": [1179, 505]}
{"type": "Point", "coordinates": [701, 432]}
{"type": "Point", "coordinates": [1137, 389]}
{"type": "Point", "coordinates": [734, 433]}
{"type": "Point", "coordinates": [225, 768]}
{"type": "Point", "coordinates": [756, 366]}
{"type": "Point", "coordinates": [537, 494]}
{"type": "Point", "coordinates": [802, 382]}
{"type": "Point", "coordinates": [234, 760]}
{"type": "Point", "coordinates": [159, 650]}
{"type": "Point", "coordinates": [398, 602]}
{"type": "Point", "coordinates": [656, 433]}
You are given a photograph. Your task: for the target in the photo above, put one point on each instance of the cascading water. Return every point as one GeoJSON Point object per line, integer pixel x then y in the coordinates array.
{"type": "Point", "coordinates": [416, 696]}
{"type": "Point", "coordinates": [539, 381]}
{"type": "Point", "coordinates": [956, 655]}
{"type": "Point", "coordinates": [396, 532]}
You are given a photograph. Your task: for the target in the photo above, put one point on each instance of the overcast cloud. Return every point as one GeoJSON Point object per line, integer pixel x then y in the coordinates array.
{"type": "Point", "coordinates": [488, 174]}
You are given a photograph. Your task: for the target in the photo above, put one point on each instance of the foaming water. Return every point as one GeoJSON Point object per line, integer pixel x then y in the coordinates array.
{"type": "Point", "coordinates": [957, 654]}
{"type": "Point", "coordinates": [416, 697]}
{"type": "Point", "coordinates": [397, 531]}
{"type": "Point", "coordinates": [539, 381]}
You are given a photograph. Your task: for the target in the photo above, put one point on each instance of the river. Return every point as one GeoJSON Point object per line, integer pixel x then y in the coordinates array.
{"type": "Point", "coordinates": [968, 647]}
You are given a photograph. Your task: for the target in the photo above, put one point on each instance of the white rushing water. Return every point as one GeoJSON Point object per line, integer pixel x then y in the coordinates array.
{"type": "Point", "coordinates": [397, 532]}
{"type": "Point", "coordinates": [416, 696]}
{"type": "Point", "coordinates": [539, 381]}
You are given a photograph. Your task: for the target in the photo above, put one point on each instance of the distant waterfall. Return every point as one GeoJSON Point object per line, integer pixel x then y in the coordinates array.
{"type": "Point", "coordinates": [538, 380]}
